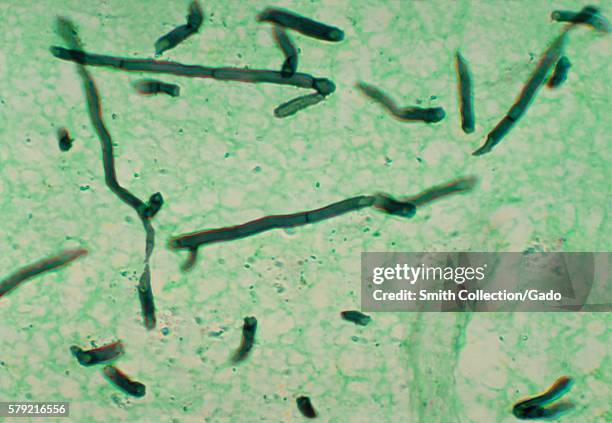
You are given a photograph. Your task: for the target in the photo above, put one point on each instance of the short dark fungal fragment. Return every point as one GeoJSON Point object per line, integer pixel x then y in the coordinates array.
{"type": "Point", "coordinates": [301, 24]}
{"type": "Point", "coordinates": [195, 18]}
{"type": "Point", "coordinates": [544, 413]}
{"type": "Point", "coordinates": [466, 94]}
{"type": "Point", "coordinates": [155, 203]}
{"type": "Point", "coordinates": [560, 73]}
{"type": "Point", "coordinates": [147, 302]}
{"type": "Point", "coordinates": [248, 339]}
{"type": "Point", "coordinates": [299, 103]}
{"type": "Point", "coordinates": [589, 15]}
{"type": "Point", "coordinates": [153, 86]}
{"type": "Point", "coordinates": [425, 114]}
{"type": "Point", "coordinates": [356, 317]}
{"type": "Point", "coordinates": [123, 382]}
{"type": "Point", "coordinates": [65, 142]}
{"type": "Point", "coordinates": [544, 405]}
{"type": "Point", "coordinates": [305, 407]}
{"type": "Point", "coordinates": [39, 267]}
{"type": "Point", "coordinates": [181, 33]}
{"type": "Point", "coordinates": [407, 114]}
{"type": "Point", "coordinates": [97, 355]}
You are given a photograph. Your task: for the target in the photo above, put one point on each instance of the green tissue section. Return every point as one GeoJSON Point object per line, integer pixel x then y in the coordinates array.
{"type": "Point", "coordinates": [220, 158]}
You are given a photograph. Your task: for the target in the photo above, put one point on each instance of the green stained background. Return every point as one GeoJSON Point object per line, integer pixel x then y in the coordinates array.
{"type": "Point", "coordinates": [219, 158]}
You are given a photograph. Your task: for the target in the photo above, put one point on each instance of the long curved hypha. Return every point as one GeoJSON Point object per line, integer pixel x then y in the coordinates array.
{"type": "Point", "coordinates": [68, 32]}
{"type": "Point", "coordinates": [405, 208]}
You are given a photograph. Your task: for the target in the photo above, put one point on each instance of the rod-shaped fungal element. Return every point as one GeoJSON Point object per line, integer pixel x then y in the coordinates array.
{"type": "Point", "coordinates": [423, 114]}
{"type": "Point", "coordinates": [147, 302]}
{"type": "Point", "coordinates": [301, 24]}
{"type": "Point", "coordinates": [356, 317]}
{"type": "Point", "coordinates": [123, 382]}
{"type": "Point", "coordinates": [299, 103]}
{"type": "Point", "coordinates": [64, 140]}
{"type": "Point", "coordinates": [548, 60]}
{"type": "Point", "coordinates": [38, 267]}
{"type": "Point", "coordinates": [249, 329]}
{"type": "Point", "coordinates": [406, 114]}
{"type": "Point", "coordinates": [466, 94]}
{"type": "Point", "coordinates": [153, 86]}
{"type": "Point", "coordinates": [305, 407]}
{"type": "Point", "coordinates": [542, 405]}
{"type": "Point", "coordinates": [181, 33]}
{"type": "Point", "coordinates": [560, 72]}
{"type": "Point", "coordinates": [589, 15]}
{"type": "Point", "coordinates": [98, 355]}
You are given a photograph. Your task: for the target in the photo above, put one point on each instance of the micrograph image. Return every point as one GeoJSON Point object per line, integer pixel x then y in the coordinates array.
{"type": "Point", "coordinates": [192, 194]}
